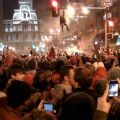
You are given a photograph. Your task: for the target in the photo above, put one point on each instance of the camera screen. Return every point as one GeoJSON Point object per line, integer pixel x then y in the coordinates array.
{"type": "Point", "coordinates": [113, 89]}
{"type": "Point", "coordinates": [48, 107]}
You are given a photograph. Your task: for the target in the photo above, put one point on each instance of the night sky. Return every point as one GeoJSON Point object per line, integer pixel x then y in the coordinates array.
{"type": "Point", "coordinates": [10, 5]}
{"type": "Point", "coordinates": [42, 7]}
{"type": "Point", "coordinates": [8, 8]}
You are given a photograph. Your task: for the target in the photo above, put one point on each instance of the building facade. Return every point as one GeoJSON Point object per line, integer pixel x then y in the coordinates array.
{"type": "Point", "coordinates": [24, 29]}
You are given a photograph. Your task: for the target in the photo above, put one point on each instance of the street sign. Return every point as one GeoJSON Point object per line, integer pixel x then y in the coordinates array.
{"type": "Point", "coordinates": [106, 3]}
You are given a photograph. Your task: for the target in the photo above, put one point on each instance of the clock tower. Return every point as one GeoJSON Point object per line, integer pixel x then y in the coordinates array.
{"type": "Point", "coordinates": [28, 1]}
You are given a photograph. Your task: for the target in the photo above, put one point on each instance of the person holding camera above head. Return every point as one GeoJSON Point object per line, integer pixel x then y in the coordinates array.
{"type": "Point", "coordinates": [110, 110]}
{"type": "Point", "coordinates": [104, 107]}
{"type": "Point", "coordinates": [114, 78]}
{"type": "Point", "coordinates": [40, 113]}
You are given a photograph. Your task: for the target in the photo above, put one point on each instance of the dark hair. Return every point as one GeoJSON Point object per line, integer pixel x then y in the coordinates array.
{"type": "Point", "coordinates": [14, 69]}
{"type": "Point", "coordinates": [46, 65]}
{"type": "Point", "coordinates": [83, 77]}
{"type": "Point", "coordinates": [78, 106]}
{"type": "Point", "coordinates": [90, 67]}
{"type": "Point", "coordinates": [59, 64]}
{"type": "Point", "coordinates": [64, 71]}
{"type": "Point", "coordinates": [31, 65]}
{"type": "Point", "coordinates": [39, 115]}
{"type": "Point", "coordinates": [100, 86]}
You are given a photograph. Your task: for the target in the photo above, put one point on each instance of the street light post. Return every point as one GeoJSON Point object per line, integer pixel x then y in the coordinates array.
{"type": "Point", "coordinates": [106, 4]}
{"type": "Point", "coordinates": [105, 33]}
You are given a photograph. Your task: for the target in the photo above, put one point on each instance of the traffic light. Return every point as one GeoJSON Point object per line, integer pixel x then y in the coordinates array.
{"type": "Point", "coordinates": [110, 29]}
{"type": "Point", "coordinates": [110, 26]}
{"type": "Point", "coordinates": [55, 8]}
{"type": "Point", "coordinates": [110, 23]}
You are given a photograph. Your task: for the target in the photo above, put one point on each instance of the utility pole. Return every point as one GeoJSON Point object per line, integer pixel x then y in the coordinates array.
{"type": "Point", "coordinates": [107, 16]}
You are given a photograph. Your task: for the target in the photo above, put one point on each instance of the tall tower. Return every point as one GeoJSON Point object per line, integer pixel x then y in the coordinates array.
{"type": "Point", "coordinates": [1, 19]}
{"type": "Point", "coordinates": [29, 1]}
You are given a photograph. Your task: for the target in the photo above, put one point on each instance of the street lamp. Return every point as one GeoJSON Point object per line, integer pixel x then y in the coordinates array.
{"type": "Point", "coordinates": [70, 11]}
{"type": "Point", "coordinates": [85, 10]}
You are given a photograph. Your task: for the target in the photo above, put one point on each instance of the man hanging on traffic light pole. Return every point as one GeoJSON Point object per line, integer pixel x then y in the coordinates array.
{"type": "Point", "coordinates": [63, 22]}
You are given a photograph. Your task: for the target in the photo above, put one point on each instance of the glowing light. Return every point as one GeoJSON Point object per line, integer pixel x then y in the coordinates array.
{"type": "Point", "coordinates": [70, 11]}
{"type": "Point", "coordinates": [58, 30]}
{"type": "Point", "coordinates": [1, 49]}
{"type": "Point", "coordinates": [33, 46]}
{"type": "Point", "coordinates": [51, 31]}
{"type": "Point", "coordinates": [116, 34]}
{"type": "Point", "coordinates": [110, 23]}
{"type": "Point", "coordinates": [85, 10]}
{"type": "Point", "coordinates": [12, 48]}
{"type": "Point", "coordinates": [37, 49]}
{"type": "Point", "coordinates": [96, 42]}
{"type": "Point", "coordinates": [54, 3]}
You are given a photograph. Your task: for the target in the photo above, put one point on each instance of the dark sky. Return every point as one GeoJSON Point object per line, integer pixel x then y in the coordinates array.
{"type": "Point", "coordinates": [8, 8]}
{"type": "Point", "coordinates": [10, 5]}
{"type": "Point", "coordinates": [42, 7]}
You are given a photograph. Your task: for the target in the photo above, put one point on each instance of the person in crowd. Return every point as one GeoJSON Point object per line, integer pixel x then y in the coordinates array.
{"type": "Point", "coordinates": [64, 87]}
{"type": "Point", "coordinates": [39, 115]}
{"type": "Point", "coordinates": [103, 106]}
{"type": "Point", "coordinates": [78, 106]}
{"type": "Point", "coordinates": [17, 90]}
{"type": "Point", "coordinates": [56, 74]}
{"type": "Point", "coordinates": [100, 86]}
{"type": "Point", "coordinates": [32, 67]}
{"type": "Point", "coordinates": [84, 77]}
{"type": "Point", "coordinates": [114, 113]}
{"type": "Point", "coordinates": [82, 81]}
{"type": "Point", "coordinates": [6, 112]}
{"type": "Point", "coordinates": [42, 80]}
{"type": "Point", "coordinates": [100, 73]}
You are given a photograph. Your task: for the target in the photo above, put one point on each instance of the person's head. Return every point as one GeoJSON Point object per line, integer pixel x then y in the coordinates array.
{"type": "Point", "coordinates": [114, 73]}
{"type": "Point", "coordinates": [90, 67]}
{"type": "Point", "coordinates": [78, 106]}
{"type": "Point", "coordinates": [46, 65]}
{"type": "Point", "coordinates": [6, 112]}
{"type": "Point", "coordinates": [67, 74]}
{"type": "Point", "coordinates": [16, 72]}
{"type": "Point", "coordinates": [100, 86]}
{"type": "Point", "coordinates": [39, 115]}
{"type": "Point", "coordinates": [31, 64]}
{"type": "Point", "coordinates": [59, 64]}
{"type": "Point", "coordinates": [83, 77]}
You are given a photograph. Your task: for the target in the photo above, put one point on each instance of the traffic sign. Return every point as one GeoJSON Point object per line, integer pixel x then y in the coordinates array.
{"type": "Point", "coordinates": [106, 3]}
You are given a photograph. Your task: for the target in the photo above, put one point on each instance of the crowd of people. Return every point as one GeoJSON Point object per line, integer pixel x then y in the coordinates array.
{"type": "Point", "coordinates": [76, 85]}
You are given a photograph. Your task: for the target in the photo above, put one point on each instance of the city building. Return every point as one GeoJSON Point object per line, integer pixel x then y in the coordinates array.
{"type": "Point", "coordinates": [24, 28]}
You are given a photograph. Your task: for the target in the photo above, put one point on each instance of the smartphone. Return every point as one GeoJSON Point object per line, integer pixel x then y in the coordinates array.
{"type": "Point", "coordinates": [48, 106]}
{"type": "Point", "coordinates": [113, 88]}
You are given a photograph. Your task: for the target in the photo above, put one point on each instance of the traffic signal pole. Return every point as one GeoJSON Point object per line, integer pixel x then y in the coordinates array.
{"type": "Point", "coordinates": [106, 27]}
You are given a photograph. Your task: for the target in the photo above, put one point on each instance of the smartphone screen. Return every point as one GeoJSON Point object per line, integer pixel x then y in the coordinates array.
{"type": "Point", "coordinates": [113, 88]}
{"type": "Point", "coordinates": [48, 107]}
